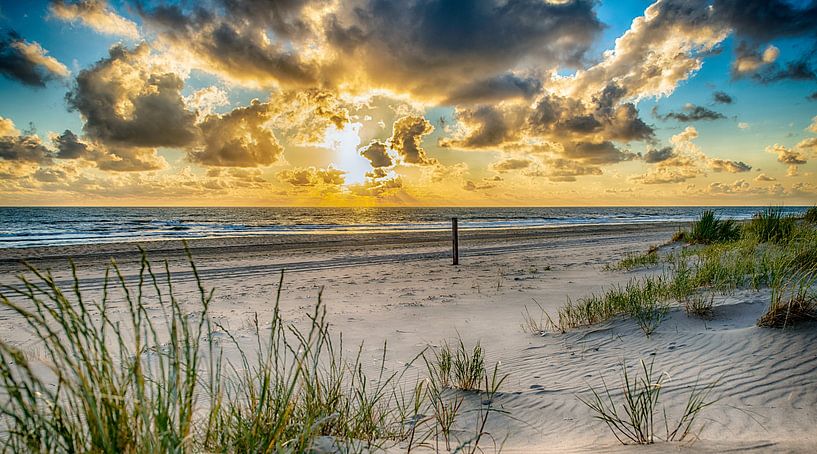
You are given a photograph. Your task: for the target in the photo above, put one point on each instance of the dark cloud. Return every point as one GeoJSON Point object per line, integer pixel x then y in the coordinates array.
{"type": "Point", "coordinates": [793, 70]}
{"type": "Point", "coordinates": [488, 126]}
{"type": "Point", "coordinates": [510, 164]}
{"type": "Point", "coordinates": [238, 138]}
{"type": "Point", "coordinates": [722, 98]}
{"type": "Point", "coordinates": [658, 155]}
{"type": "Point", "coordinates": [764, 20]}
{"type": "Point", "coordinates": [471, 186]}
{"type": "Point", "coordinates": [787, 155]}
{"type": "Point", "coordinates": [119, 112]}
{"type": "Point", "coordinates": [24, 148]}
{"type": "Point", "coordinates": [502, 87]}
{"type": "Point", "coordinates": [605, 117]}
{"type": "Point", "coordinates": [226, 39]}
{"type": "Point", "coordinates": [596, 153]}
{"type": "Point", "coordinates": [690, 113]}
{"type": "Point", "coordinates": [69, 146]}
{"type": "Point", "coordinates": [426, 45]}
{"type": "Point", "coordinates": [812, 97]}
{"type": "Point", "coordinates": [26, 62]}
{"type": "Point", "coordinates": [377, 153]}
{"type": "Point", "coordinates": [407, 138]}
{"type": "Point", "coordinates": [724, 165]}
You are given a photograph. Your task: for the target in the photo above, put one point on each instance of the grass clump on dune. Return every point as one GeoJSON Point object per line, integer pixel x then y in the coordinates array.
{"type": "Point", "coordinates": [771, 225]}
{"type": "Point", "coordinates": [633, 260]}
{"type": "Point", "coordinates": [793, 301]}
{"type": "Point", "coordinates": [642, 299]}
{"type": "Point", "coordinates": [631, 416]}
{"type": "Point", "coordinates": [710, 229]}
{"type": "Point", "coordinates": [142, 371]}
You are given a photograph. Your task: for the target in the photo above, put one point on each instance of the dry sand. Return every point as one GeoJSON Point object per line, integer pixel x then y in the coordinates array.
{"type": "Point", "coordinates": [402, 289]}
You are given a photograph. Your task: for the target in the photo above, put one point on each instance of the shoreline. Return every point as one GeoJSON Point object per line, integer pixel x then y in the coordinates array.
{"type": "Point", "coordinates": [315, 240]}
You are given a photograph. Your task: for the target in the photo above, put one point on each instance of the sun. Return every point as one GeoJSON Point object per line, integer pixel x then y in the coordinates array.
{"type": "Point", "coordinates": [345, 142]}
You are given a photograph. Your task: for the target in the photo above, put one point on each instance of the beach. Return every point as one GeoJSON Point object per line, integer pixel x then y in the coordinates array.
{"type": "Point", "coordinates": [400, 289]}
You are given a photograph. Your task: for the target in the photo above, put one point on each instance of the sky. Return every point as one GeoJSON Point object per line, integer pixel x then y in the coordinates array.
{"type": "Point", "coordinates": [408, 103]}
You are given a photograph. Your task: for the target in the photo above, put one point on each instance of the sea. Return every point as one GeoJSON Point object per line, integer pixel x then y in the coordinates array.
{"type": "Point", "coordinates": [52, 226]}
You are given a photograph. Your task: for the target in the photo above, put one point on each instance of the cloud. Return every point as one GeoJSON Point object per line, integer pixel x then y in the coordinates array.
{"type": "Point", "coordinates": [786, 155]}
{"type": "Point", "coordinates": [813, 126]}
{"type": "Point", "coordinates": [505, 86]}
{"type": "Point", "coordinates": [7, 128]}
{"type": "Point", "coordinates": [24, 148]}
{"type": "Point", "coordinates": [305, 114]}
{"type": "Point", "coordinates": [128, 102]}
{"type": "Point", "coordinates": [720, 97]}
{"type": "Point", "coordinates": [812, 97]}
{"type": "Point", "coordinates": [562, 170]}
{"type": "Point", "coordinates": [115, 159]}
{"type": "Point", "coordinates": [794, 70]}
{"type": "Point", "coordinates": [238, 138]}
{"type": "Point", "coordinates": [311, 176]}
{"type": "Point", "coordinates": [230, 40]}
{"type": "Point", "coordinates": [684, 160]}
{"type": "Point", "coordinates": [658, 155]}
{"type": "Point", "coordinates": [509, 164]}
{"type": "Point", "coordinates": [763, 20]}
{"type": "Point", "coordinates": [95, 14]}
{"type": "Point", "coordinates": [377, 153]}
{"type": "Point", "coordinates": [596, 153]}
{"type": "Point", "coordinates": [407, 137]}
{"type": "Point", "coordinates": [764, 177]}
{"type": "Point", "coordinates": [486, 126]}
{"type": "Point", "coordinates": [205, 100]}
{"type": "Point", "coordinates": [749, 59]}
{"type": "Point", "coordinates": [69, 146]}
{"type": "Point", "coordinates": [725, 165]}
{"type": "Point", "coordinates": [471, 186]}
{"type": "Point", "coordinates": [725, 188]}
{"type": "Point", "coordinates": [27, 62]}
{"type": "Point", "coordinates": [808, 145]}
{"type": "Point", "coordinates": [743, 125]}
{"type": "Point", "coordinates": [690, 113]}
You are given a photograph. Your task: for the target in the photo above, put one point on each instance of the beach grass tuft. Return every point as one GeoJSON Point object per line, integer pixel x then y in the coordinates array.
{"type": "Point", "coordinates": [633, 260]}
{"type": "Point", "coordinates": [771, 225]}
{"type": "Point", "coordinates": [793, 302]}
{"type": "Point", "coordinates": [701, 306]}
{"type": "Point", "coordinates": [632, 416]}
{"type": "Point", "coordinates": [711, 229]}
{"type": "Point", "coordinates": [642, 299]}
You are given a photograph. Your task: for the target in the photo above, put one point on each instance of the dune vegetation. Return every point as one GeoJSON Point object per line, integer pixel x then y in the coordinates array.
{"type": "Point", "coordinates": [100, 382]}
{"type": "Point", "coordinates": [715, 257]}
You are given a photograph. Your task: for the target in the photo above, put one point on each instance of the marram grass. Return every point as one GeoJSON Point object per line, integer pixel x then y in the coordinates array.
{"type": "Point", "coordinates": [633, 416]}
{"type": "Point", "coordinates": [157, 380]}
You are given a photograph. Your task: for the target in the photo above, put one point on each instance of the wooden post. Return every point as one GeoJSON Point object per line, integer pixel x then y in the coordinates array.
{"type": "Point", "coordinates": [455, 239]}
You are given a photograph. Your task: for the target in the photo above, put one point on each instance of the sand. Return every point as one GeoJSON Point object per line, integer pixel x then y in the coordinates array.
{"type": "Point", "coordinates": [401, 288]}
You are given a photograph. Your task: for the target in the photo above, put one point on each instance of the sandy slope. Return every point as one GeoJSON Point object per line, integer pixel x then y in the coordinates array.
{"type": "Point", "coordinates": [404, 291]}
